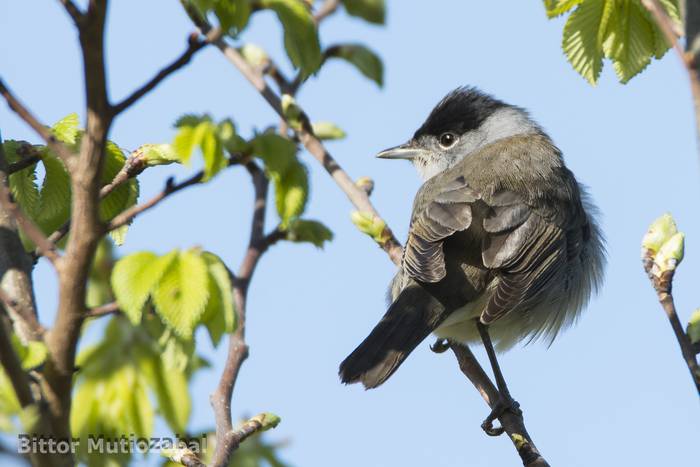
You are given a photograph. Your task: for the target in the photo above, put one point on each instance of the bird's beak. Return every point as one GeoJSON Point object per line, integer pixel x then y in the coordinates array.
{"type": "Point", "coordinates": [405, 151]}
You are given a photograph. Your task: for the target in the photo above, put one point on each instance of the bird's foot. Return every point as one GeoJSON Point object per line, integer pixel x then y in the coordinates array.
{"type": "Point", "coordinates": [503, 404]}
{"type": "Point", "coordinates": [440, 345]}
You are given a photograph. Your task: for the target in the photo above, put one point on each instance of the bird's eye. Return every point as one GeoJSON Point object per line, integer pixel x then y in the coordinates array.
{"type": "Point", "coordinates": [447, 140]}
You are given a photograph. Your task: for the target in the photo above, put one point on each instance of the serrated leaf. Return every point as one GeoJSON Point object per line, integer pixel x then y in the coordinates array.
{"type": "Point", "coordinates": [661, 45]}
{"type": "Point", "coordinates": [182, 293]}
{"type": "Point", "coordinates": [126, 194]}
{"type": "Point", "coordinates": [170, 388]}
{"type": "Point", "coordinates": [54, 195]}
{"type": "Point", "coordinates": [213, 154]}
{"type": "Point", "coordinates": [314, 232]}
{"type": "Point", "coordinates": [300, 33]}
{"type": "Point", "coordinates": [205, 135]}
{"type": "Point", "coordinates": [134, 278]}
{"type": "Point", "coordinates": [630, 43]}
{"type": "Point", "coordinates": [67, 129]}
{"type": "Point", "coordinates": [583, 38]}
{"type": "Point", "coordinates": [219, 316]}
{"type": "Point", "coordinates": [291, 192]}
{"type": "Point", "coordinates": [555, 8]}
{"type": "Point", "coordinates": [363, 58]}
{"type": "Point", "coordinates": [191, 120]}
{"type": "Point", "coordinates": [373, 11]}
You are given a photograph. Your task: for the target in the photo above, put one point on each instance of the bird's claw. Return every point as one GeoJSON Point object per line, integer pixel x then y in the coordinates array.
{"type": "Point", "coordinates": [440, 345]}
{"type": "Point", "coordinates": [501, 406]}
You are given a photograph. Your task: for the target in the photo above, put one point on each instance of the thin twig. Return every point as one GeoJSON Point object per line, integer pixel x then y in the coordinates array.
{"type": "Point", "coordinates": [34, 233]}
{"type": "Point", "coordinates": [103, 310]}
{"type": "Point", "coordinates": [327, 8]}
{"type": "Point", "coordinates": [663, 285]}
{"type": "Point", "coordinates": [66, 155]}
{"type": "Point", "coordinates": [512, 423]}
{"type": "Point", "coordinates": [305, 134]}
{"type": "Point", "coordinates": [220, 399]}
{"type": "Point", "coordinates": [73, 11]}
{"type": "Point", "coordinates": [193, 46]}
{"type": "Point", "coordinates": [125, 217]}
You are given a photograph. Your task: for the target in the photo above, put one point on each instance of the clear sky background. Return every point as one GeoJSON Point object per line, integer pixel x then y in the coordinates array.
{"type": "Point", "coordinates": [612, 391]}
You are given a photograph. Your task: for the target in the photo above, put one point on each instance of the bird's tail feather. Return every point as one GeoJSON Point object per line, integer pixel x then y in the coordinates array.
{"type": "Point", "coordinates": [409, 320]}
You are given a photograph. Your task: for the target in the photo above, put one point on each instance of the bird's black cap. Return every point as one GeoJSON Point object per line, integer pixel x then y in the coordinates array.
{"type": "Point", "coordinates": [461, 110]}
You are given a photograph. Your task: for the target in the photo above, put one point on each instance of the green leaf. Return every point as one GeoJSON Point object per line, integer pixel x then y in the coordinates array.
{"type": "Point", "coordinates": [23, 183]}
{"type": "Point", "coordinates": [630, 42]}
{"type": "Point", "coordinates": [31, 355]}
{"type": "Point", "coordinates": [694, 327]}
{"type": "Point", "coordinates": [277, 152]}
{"type": "Point", "coordinates": [314, 232]}
{"type": "Point", "coordinates": [126, 194]}
{"type": "Point", "coordinates": [364, 59]}
{"type": "Point", "coordinates": [661, 45]}
{"type": "Point", "coordinates": [219, 316]}
{"type": "Point", "coordinates": [291, 192]}
{"type": "Point", "coordinates": [203, 133]}
{"type": "Point", "coordinates": [67, 129]}
{"type": "Point", "coordinates": [158, 154]}
{"type": "Point", "coordinates": [233, 15]}
{"type": "Point", "coordinates": [555, 8]}
{"type": "Point", "coordinates": [583, 37]}
{"type": "Point", "coordinates": [373, 11]}
{"type": "Point", "coordinates": [170, 388]}
{"type": "Point", "coordinates": [54, 195]}
{"type": "Point", "coordinates": [182, 293]}
{"type": "Point", "coordinates": [300, 33]}
{"type": "Point", "coordinates": [213, 154]}
{"type": "Point", "coordinates": [134, 278]}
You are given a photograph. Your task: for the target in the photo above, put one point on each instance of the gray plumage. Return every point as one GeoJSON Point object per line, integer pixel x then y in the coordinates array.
{"type": "Point", "coordinates": [501, 231]}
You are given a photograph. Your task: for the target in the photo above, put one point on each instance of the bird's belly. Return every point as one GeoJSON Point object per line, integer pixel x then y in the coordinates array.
{"type": "Point", "coordinates": [460, 325]}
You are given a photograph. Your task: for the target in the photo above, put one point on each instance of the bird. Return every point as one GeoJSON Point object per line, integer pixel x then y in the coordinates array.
{"type": "Point", "coordinates": [503, 245]}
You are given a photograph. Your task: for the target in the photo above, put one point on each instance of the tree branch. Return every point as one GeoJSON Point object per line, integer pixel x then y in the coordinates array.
{"type": "Point", "coordinates": [73, 11]}
{"type": "Point", "coordinates": [103, 310]}
{"type": "Point", "coordinates": [193, 46]}
{"type": "Point", "coordinates": [125, 217]}
{"type": "Point", "coordinates": [61, 150]}
{"type": "Point", "coordinates": [313, 145]}
{"type": "Point", "coordinates": [226, 439]}
{"type": "Point", "coordinates": [513, 424]}
{"type": "Point", "coordinates": [663, 286]}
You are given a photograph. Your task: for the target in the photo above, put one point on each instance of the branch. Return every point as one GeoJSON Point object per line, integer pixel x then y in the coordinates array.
{"type": "Point", "coordinates": [513, 424]}
{"type": "Point", "coordinates": [305, 134]}
{"type": "Point", "coordinates": [125, 217]}
{"type": "Point", "coordinates": [669, 30]}
{"type": "Point", "coordinates": [328, 8]}
{"type": "Point", "coordinates": [73, 11]}
{"type": "Point", "coordinates": [30, 156]}
{"type": "Point", "coordinates": [228, 440]}
{"type": "Point", "coordinates": [35, 234]}
{"type": "Point", "coordinates": [103, 310]}
{"type": "Point", "coordinates": [194, 45]}
{"type": "Point", "coordinates": [65, 154]}
{"type": "Point", "coordinates": [13, 369]}
{"type": "Point", "coordinates": [663, 286]}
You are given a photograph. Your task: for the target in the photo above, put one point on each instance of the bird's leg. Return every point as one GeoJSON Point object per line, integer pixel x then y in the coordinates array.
{"type": "Point", "coordinates": [440, 345]}
{"type": "Point", "coordinates": [505, 402]}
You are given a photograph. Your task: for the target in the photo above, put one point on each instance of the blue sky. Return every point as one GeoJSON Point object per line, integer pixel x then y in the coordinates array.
{"type": "Point", "coordinates": [613, 389]}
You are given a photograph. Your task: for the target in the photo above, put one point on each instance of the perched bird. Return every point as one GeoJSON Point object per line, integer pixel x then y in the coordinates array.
{"type": "Point", "coordinates": [503, 243]}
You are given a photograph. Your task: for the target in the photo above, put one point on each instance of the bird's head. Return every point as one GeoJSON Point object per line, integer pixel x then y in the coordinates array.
{"type": "Point", "coordinates": [462, 122]}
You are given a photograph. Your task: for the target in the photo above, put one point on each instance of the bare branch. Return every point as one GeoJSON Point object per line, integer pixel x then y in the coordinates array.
{"type": "Point", "coordinates": [171, 187]}
{"type": "Point", "coordinates": [103, 310]}
{"type": "Point", "coordinates": [513, 424]}
{"type": "Point", "coordinates": [54, 144]}
{"type": "Point", "coordinates": [226, 441]}
{"type": "Point", "coordinates": [194, 45]}
{"type": "Point", "coordinates": [327, 8]}
{"type": "Point", "coordinates": [73, 11]}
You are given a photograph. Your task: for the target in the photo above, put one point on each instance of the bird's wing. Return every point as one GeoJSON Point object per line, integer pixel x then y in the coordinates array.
{"type": "Point", "coordinates": [449, 211]}
{"type": "Point", "coordinates": [521, 247]}
{"type": "Point", "coordinates": [524, 250]}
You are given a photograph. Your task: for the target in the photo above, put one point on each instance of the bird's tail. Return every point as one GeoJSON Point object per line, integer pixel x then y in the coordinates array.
{"type": "Point", "coordinates": [409, 320]}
